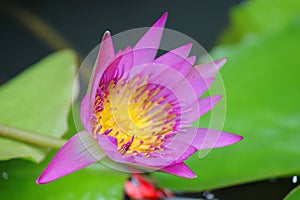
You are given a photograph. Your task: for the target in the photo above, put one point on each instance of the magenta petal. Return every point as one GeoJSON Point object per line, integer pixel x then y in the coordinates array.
{"type": "Point", "coordinates": [183, 51]}
{"type": "Point", "coordinates": [106, 52]}
{"type": "Point", "coordinates": [153, 36]}
{"type": "Point", "coordinates": [179, 149]}
{"type": "Point", "coordinates": [110, 145]}
{"type": "Point", "coordinates": [185, 65]}
{"type": "Point", "coordinates": [190, 90]}
{"type": "Point", "coordinates": [197, 109]}
{"type": "Point", "coordinates": [149, 43]}
{"type": "Point", "coordinates": [177, 71]}
{"type": "Point", "coordinates": [184, 152]}
{"type": "Point", "coordinates": [85, 113]}
{"type": "Point", "coordinates": [180, 169]}
{"type": "Point", "coordinates": [126, 62]}
{"type": "Point", "coordinates": [199, 85]}
{"type": "Point", "coordinates": [208, 138]}
{"type": "Point", "coordinates": [105, 57]}
{"type": "Point", "coordinates": [80, 151]}
{"type": "Point", "coordinates": [207, 103]}
{"type": "Point", "coordinates": [175, 56]}
{"type": "Point", "coordinates": [112, 68]}
{"type": "Point", "coordinates": [208, 70]}
{"type": "Point", "coordinates": [178, 84]}
{"type": "Point", "coordinates": [188, 152]}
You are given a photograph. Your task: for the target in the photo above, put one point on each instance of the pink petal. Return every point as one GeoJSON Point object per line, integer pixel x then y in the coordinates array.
{"type": "Point", "coordinates": [80, 151]}
{"type": "Point", "coordinates": [106, 52]}
{"type": "Point", "coordinates": [187, 88]}
{"type": "Point", "coordinates": [105, 57]}
{"type": "Point", "coordinates": [175, 151]}
{"type": "Point", "coordinates": [110, 145]}
{"type": "Point", "coordinates": [202, 76]}
{"type": "Point", "coordinates": [208, 70]}
{"type": "Point", "coordinates": [175, 56]}
{"type": "Point", "coordinates": [178, 84]}
{"type": "Point", "coordinates": [85, 113]}
{"type": "Point", "coordinates": [185, 65]}
{"type": "Point", "coordinates": [112, 68]}
{"type": "Point", "coordinates": [180, 169]}
{"type": "Point", "coordinates": [208, 138]}
{"type": "Point", "coordinates": [183, 152]}
{"type": "Point", "coordinates": [120, 65]}
{"type": "Point", "coordinates": [149, 42]}
{"type": "Point", "coordinates": [203, 138]}
{"type": "Point", "coordinates": [197, 109]}
{"type": "Point", "coordinates": [192, 60]}
{"type": "Point", "coordinates": [207, 103]}
{"type": "Point", "coordinates": [180, 70]}
{"type": "Point", "coordinates": [127, 61]}
{"type": "Point", "coordinates": [199, 83]}
{"type": "Point", "coordinates": [189, 152]}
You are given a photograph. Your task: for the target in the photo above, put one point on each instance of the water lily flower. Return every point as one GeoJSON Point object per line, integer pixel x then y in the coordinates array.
{"type": "Point", "coordinates": [139, 109]}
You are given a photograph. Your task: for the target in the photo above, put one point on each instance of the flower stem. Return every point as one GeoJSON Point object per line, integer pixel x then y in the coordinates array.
{"type": "Point", "coordinates": [32, 138]}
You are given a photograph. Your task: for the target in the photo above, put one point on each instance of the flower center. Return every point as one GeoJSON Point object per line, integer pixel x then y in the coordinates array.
{"type": "Point", "coordinates": [138, 114]}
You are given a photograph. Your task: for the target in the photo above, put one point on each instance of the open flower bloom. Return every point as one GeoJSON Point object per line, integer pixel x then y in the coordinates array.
{"type": "Point", "coordinates": [139, 109]}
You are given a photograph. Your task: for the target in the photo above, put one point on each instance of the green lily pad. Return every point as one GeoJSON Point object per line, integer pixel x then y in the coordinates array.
{"type": "Point", "coordinates": [260, 16]}
{"type": "Point", "coordinates": [38, 101]}
{"type": "Point", "coordinates": [294, 194]}
{"type": "Point", "coordinates": [17, 181]}
{"type": "Point", "coordinates": [263, 100]}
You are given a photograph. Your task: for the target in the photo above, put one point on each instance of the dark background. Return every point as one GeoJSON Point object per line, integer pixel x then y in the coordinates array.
{"type": "Point", "coordinates": [82, 23]}
{"type": "Point", "coordinates": [31, 30]}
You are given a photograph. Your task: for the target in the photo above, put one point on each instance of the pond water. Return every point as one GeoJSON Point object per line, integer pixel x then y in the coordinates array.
{"type": "Point", "coordinates": [273, 189]}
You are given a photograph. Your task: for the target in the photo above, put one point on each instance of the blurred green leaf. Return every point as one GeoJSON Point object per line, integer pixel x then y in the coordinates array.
{"type": "Point", "coordinates": [38, 100]}
{"type": "Point", "coordinates": [17, 181]}
{"type": "Point", "coordinates": [260, 16]}
{"type": "Point", "coordinates": [263, 100]}
{"type": "Point", "coordinates": [294, 194]}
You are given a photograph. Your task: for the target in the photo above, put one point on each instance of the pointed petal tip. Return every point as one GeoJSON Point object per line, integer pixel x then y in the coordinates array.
{"type": "Point", "coordinates": [184, 50]}
{"type": "Point", "coordinates": [239, 138]}
{"type": "Point", "coordinates": [220, 62]}
{"type": "Point", "coordinates": [166, 14]}
{"type": "Point", "coordinates": [192, 176]}
{"type": "Point", "coordinates": [42, 181]}
{"type": "Point", "coordinates": [180, 169]}
{"type": "Point", "coordinates": [192, 59]}
{"type": "Point", "coordinates": [160, 23]}
{"type": "Point", "coordinates": [233, 140]}
{"type": "Point", "coordinates": [223, 60]}
{"type": "Point", "coordinates": [106, 35]}
{"type": "Point", "coordinates": [80, 151]}
{"type": "Point", "coordinates": [46, 177]}
{"type": "Point", "coordinates": [187, 46]}
{"type": "Point", "coordinates": [208, 138]}
{"type": "Point", "coordinates": [107, 32]}
{"type": "Point", "coordinates": [212, 101]}
{"type": "Point", "coordinates": [229, 139]}
{"type": "Point", "coordinates": [39, 181]}
{"type": "Point", "coordinates": [218, 97]}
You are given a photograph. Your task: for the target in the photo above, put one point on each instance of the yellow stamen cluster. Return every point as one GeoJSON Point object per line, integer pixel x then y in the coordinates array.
{"type": "Point", "coordinates": [131, 115]}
